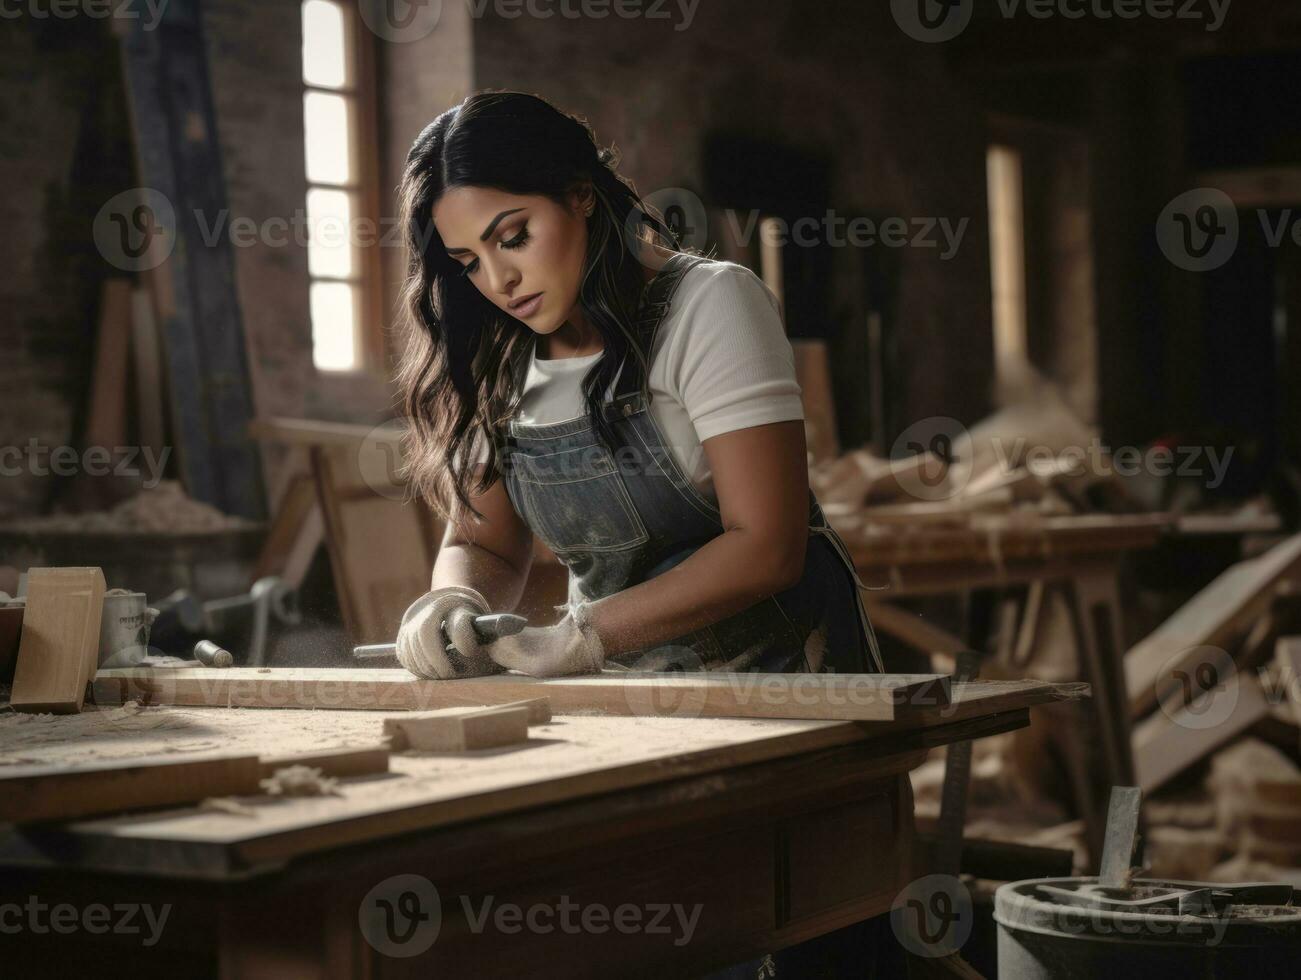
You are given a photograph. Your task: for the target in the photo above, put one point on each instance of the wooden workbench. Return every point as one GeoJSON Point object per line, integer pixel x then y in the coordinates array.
{"type": "Point", "coordinates": [778, 830]}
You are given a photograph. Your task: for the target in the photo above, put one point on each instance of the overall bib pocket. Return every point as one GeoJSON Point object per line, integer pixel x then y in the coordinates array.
{"type": "Point", "coordinates": [575, 501]}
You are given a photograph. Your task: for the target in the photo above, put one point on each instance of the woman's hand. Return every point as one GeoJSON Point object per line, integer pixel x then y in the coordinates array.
{"type": "Point", "coordinates": [571, 646]}
{"type": "Point", "coordinates": [422, 647]}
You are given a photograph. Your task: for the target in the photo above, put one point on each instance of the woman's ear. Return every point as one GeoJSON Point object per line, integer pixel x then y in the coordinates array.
{"type": "Point", "coordinates": [582, 198]}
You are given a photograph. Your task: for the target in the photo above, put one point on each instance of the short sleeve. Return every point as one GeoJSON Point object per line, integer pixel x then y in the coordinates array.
{"type": "Point", "coordinates": [729, 360]}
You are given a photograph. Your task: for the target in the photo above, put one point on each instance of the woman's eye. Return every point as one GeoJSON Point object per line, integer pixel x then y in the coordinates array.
{"type": "Point", "coordinates": [519, 241]}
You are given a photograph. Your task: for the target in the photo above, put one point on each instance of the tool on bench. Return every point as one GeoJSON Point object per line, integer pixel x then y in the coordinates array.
{"type": "Point", "coordinates": [211, 655]}
{"type": "Point", "coordinates": [489, 627]}
{"type": "Point", "coordinates": [184, 619]}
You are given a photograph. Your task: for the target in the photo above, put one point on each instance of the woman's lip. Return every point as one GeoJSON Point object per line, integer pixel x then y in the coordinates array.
{"type": "Point", "coordinates": [529, 307]}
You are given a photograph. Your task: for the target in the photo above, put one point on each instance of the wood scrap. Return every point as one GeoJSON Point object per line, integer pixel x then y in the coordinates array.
{"type": "Point", "coordinates": [1174, 738]}
{"type": "Point", "coordinates": [1217, 616]}
{"type": "Point", "coordinates": [65, 792]}
{"type": "Point", "coordinates": [458, 729]}
{"type": "Point", "coordinates": [834, 697]}
{"type": "Point", "coordinates": [59, 647]}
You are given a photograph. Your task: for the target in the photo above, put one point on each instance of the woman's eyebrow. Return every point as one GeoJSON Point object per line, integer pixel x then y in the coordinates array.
{"type": "Point", "coordinates": [492, 225]}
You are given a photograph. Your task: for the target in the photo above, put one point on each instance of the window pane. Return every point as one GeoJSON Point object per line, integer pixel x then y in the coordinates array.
{"type": "Point", "coordinates": [330, 241]}
{"type": "Point", "coordinates": [334, 326]}
{"type": "Point", "coordinates": [1007, 255]}
{"type": "Point", "coordinates": [327, 126]}
{"type": "Point", "coordinates": [325, 61]}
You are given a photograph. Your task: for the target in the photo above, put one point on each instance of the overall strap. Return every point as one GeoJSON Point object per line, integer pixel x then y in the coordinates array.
{"type": "Point", "coordinates": [654, 306]}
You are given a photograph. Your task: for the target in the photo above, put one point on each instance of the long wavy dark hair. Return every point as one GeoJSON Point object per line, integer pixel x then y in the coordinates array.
{"type": "Point", "coordinates": [456, 374]}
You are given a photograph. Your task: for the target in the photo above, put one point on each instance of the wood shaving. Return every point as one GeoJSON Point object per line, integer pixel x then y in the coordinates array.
{"type": "Point", "coordinates": [300, 781]}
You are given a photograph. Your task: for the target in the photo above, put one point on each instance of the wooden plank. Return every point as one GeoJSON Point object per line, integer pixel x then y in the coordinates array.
{"type": "Point", "coordinates": [1215, 617]}
{"type": "Point", "coordinates": [340, 763]}
{"type": "Point", "coordinates": [837, 697]}
{"type": "Point", "coordinates": [67, 792]}
{"type": "Point", "coordinates": [106, 416]}
{"type": "Point", "coordinates": [456, 730]}
{"type": "Point", "coordinates": [179, 160]}
{"type": "Point", "coordinates": [60, 641]}
{"type": "Point", "coordinates": [1166, 744]}
{"type": "Point", "coordinates": [62, 793]}
{"type": "Point", "coordinates": [381, 551]}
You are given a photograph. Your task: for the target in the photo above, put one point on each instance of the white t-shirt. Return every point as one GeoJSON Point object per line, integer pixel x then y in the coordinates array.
{"type": "Point", "coordinates": [721, 362]}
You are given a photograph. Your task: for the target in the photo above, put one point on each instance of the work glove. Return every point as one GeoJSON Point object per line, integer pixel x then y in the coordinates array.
{"type": "Point", "coordinates": [421, 646]}
{"type": "Point", "coordinates": [571, 646]}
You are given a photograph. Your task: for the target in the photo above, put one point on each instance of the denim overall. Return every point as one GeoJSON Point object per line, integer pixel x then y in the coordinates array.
{"type": "Point", "coordinates": [618, 519]}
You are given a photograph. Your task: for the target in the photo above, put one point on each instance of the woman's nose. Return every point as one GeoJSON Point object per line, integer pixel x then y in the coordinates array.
{"type": "Point", "coordinates": [502, 277]}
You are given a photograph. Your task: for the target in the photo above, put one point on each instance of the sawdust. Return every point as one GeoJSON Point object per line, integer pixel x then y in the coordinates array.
{"type": "Point", "coordinates": [165, 509]}
{"type": "Point", "coordinates": [300, 781]}
{"type": "Point", "coordinates": [224, 804]}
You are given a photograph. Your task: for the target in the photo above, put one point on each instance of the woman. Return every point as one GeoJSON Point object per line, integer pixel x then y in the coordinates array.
{"type": "Point", "coordinates": [571, 373]}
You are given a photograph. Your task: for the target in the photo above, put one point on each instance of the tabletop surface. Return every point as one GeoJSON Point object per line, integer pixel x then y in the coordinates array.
{"type": "Point", "coordinates": [575, 755]}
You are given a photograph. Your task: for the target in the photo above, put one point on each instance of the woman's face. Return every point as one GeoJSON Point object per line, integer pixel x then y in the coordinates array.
{"type": "Point", "coordinates": [514, 247]}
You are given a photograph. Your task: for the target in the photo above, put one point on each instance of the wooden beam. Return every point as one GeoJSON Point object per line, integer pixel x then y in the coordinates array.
{"type": "Point", "coordinates": [179, 159]}
{"type": "Point", "coordinates": [61, 792]}
{"type": "Point", "coordinates": [832, 697]}
{"type": "Point", "coordinates": [60, 640]}
{"type": "Point", "coordinates": [1215, 617]}
{"type": "Point", "coordinates": [1171, 740]}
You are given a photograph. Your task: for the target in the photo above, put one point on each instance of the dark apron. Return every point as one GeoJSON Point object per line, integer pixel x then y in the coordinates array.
{"type": "Point", "coordinates": [618, 519]}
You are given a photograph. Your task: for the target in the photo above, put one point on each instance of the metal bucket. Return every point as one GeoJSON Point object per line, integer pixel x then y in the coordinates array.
{"type": "Point", "coordinates": [1039, 938]}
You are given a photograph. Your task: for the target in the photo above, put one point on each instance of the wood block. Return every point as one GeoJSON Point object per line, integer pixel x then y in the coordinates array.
{"type": "Point", "coordinates": [456, 730]}
{"type": "Point", "coordinates": [60, 642]}
{"type": "Point", "coordinates": [364, 761]}
{"type": "Point", "coordinates": [30, 793]}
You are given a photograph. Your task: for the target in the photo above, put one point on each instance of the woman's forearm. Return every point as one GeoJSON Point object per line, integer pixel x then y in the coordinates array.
{"type": "Point", "coordinates": [723, 577]}
{"type": "Point", "coordinates": [489, 574]}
